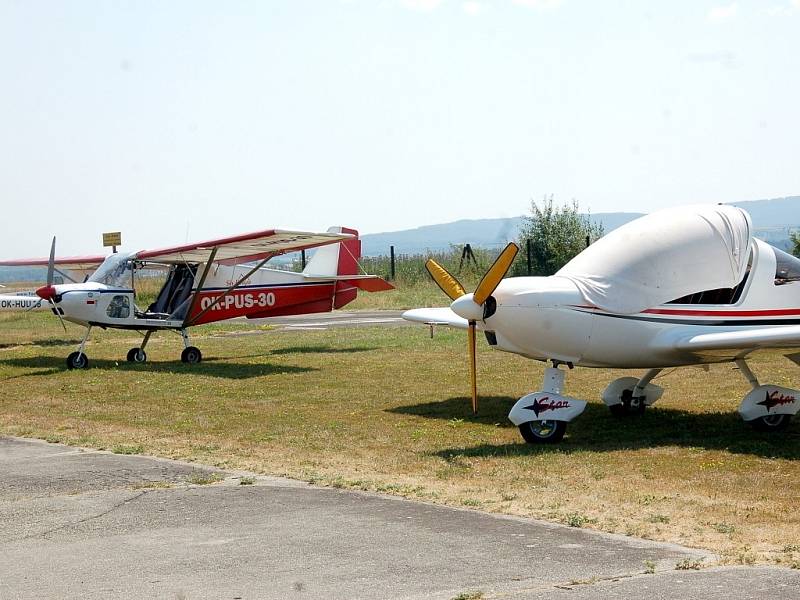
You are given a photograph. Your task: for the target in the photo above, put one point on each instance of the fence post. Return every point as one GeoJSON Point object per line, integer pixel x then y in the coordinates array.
{"type": "Point", "coordinates": [391, 263]}
{"type": "Point", "coordinates": [528, 252]}
{"type": "Point", "coordinates": [303, 258]}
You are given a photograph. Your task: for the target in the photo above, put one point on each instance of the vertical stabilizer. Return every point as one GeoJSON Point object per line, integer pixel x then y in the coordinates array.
{"type": "Point", "coordinates": [336, 259]}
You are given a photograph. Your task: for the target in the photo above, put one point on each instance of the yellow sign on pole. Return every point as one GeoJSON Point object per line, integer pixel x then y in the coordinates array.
{"type": "Point", "coordinates": [113, 238]}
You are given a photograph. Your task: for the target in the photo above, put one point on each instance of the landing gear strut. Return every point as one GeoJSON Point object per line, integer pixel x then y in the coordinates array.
{"type": "Point", "coordinates": [138, 354]}
{"type": "Point", "coordinates": [79, 360]}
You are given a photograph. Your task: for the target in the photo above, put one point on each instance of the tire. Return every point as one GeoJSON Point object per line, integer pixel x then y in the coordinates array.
{"type": "Point", "coordinates": [137, 355]}
{"type": "Point", "coordinates": [77, 360]}
{"type": "Point", "coordinates": [191, 355]}
{"type": "Point", "coordinates": [543, 432]}
{"type": "Point", "coordinates": [771, 423]}
{"type": "Point", "coordinates": [627, 406]}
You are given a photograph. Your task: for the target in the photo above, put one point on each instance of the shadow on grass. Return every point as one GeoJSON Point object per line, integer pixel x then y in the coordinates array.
{"type": "Point", "coordinates": [598, 431]}
{"type": "Point", "coordinates": [321, 350]}
{"type": "Point", "coordinates": [209, 367]}
{"type": "Point", "coordinates": [43, 343]}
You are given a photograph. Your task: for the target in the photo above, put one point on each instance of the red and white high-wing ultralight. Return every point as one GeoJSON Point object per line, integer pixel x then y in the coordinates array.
{"type": "Point", "coordinates": [210, 281]}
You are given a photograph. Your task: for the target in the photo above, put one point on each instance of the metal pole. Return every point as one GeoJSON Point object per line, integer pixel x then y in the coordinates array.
{"type": "Point", "coordinates": [391, 263]}
{"type": "Point", "coordinates": [303, 259]}
{"type": "Point", "coordinates": [528, 252]}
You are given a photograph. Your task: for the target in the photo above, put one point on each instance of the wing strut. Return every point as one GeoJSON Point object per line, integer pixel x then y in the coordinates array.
{"type": "Point", "coordinates": [64, 275]}
{"type": "Point", "coordinates": [188, 323]}
{"type": "Point", "coordinates": [199, 287]}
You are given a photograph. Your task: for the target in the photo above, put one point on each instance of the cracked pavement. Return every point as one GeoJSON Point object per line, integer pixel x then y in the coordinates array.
{"type": "Point", "coordinates": [80, 523]}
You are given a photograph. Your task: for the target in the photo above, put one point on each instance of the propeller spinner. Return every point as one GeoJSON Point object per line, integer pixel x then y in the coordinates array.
{"type": "Point", "coordinates": [476, 306]}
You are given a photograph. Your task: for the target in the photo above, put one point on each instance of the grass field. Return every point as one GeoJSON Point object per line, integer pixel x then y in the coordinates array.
{"type": "Point", "coordinates": [386, 410]}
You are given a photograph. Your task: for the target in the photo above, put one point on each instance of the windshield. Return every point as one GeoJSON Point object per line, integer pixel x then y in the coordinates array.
{"type": "Point", "coordinates": [787, 267]}
{"type": "Point", "coordinates": [115, 271]}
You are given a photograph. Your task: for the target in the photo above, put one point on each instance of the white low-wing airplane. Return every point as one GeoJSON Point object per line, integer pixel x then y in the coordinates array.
{"type": "Point", "coordinates": [682, 286]}
{"type": "Point", "coordinates": [206, 282]}
{"type": "Point", "coordinates": [69, 268]}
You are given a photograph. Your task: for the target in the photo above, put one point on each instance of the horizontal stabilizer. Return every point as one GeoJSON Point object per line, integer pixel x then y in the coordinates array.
{"type": "Point", "coordinates": [368, 283]}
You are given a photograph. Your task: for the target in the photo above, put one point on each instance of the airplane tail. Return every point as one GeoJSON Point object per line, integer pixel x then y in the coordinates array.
{"type": "Point", "coordinates": [336, 259]}
{"type": "Point", "coordinates": [340, 263]}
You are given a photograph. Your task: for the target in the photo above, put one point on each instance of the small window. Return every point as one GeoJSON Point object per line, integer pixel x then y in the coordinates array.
{"type": "Point", "coordinates": [787, 267]}
{"type": "Point", "coordinates": [119, 307]}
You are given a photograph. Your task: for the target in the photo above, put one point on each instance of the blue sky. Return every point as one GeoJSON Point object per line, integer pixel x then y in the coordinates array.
{"type": "Point", "coordinates": [220, 117]}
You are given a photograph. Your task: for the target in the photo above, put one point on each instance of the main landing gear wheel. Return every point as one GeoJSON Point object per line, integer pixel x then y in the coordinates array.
{"type": "Point", "coordinates": [543, 432]}
{"type": "Point", "coordinates": [77, 360]}
{"type": "Point", "coordinates": [771, 423]}
{"type": "Point", "coordinates": [628, 406]}
{"type": "Point", "coordinates": [191, 355]}
{"type": "Point", "coordinates": [137, 355]}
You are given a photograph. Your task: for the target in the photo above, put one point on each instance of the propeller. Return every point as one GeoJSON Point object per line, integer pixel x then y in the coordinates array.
{"type": "Point", "coordinates": [48, 292]}
{"type": "Point", "coordinates": [479, 305]}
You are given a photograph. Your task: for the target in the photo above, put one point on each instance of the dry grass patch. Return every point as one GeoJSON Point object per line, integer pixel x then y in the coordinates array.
{"type": "Point", "coordinates": [386, 410]}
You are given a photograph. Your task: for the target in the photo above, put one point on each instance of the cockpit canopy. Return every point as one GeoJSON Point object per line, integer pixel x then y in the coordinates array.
{"type": "Point", "coordinates": [665, 255]}
{"type": "Point", "coordinates": [115, 271]}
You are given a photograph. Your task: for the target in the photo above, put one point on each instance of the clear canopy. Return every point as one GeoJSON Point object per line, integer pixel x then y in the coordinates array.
{"type": "Point", "coordinates": [662, 256]}
{"type": "Point", "coordinates": [115, 270]}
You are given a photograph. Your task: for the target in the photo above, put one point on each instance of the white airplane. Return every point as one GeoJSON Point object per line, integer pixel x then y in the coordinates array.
{"type": "Point", "coordinates": [69, 268]}
{"type": "Point", "coordinates": [209, 281]}
{"type": "Point", "coordinates": [679, 287]}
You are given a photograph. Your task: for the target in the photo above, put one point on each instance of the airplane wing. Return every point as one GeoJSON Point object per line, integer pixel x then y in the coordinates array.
{"type": "Point", "coordinates": [242, 248]}
{"type": "Point", "coordinates": [437, 316]}
{"type": "Point", "coordinates": [74, 268]}
{"type": "Point", "coordinates": [763, 337]}
{"type": "Point", "coordinates": [73, 263]}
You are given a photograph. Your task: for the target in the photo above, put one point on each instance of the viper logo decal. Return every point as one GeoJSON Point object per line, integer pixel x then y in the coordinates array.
{"type": "Point", "coordinates": [540, 406]}
{"type": "Point", "coordinates": [775, 399]}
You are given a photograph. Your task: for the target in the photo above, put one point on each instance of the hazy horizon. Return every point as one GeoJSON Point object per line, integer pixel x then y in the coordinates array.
{"type": "Point", "coordinates": [195, 120]}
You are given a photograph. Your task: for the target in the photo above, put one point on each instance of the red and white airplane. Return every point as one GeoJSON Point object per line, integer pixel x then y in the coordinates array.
{"type": "Point", "coordinates": [682, 286]}
{"type": "Point", "coordinates": [207, 281]}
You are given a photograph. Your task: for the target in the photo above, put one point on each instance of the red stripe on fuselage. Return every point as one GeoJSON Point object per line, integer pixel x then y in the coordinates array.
{"type": "Point", "coordinates": [776, 312]}
{"type": "Point", "coordinates": [772, 312]}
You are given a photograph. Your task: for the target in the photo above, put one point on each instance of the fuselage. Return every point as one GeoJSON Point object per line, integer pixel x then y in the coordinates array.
{"type": "Point", "coordinates": [548, 318]}
{"type": "Point", "coordinates": [21, 301]}
{"type": "Point", "coordinates": [110, 302]}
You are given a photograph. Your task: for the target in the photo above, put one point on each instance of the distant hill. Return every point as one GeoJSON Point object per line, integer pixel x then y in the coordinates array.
{"type": "Point", "coordinates": [772, 219]}
{"type": "Point", "coordinates": [478, 232]}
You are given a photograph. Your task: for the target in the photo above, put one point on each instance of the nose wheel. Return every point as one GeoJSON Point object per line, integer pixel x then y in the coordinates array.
{"type": "Point", "coordinates": [79, 360]}
{"type": "Point", "coordinates": [543, 432]}
{"type": "Point", "coordinates": [138, 355]}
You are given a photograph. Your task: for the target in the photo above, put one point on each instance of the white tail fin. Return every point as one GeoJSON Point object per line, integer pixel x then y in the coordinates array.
{"type": "Point", "coordinates": [335, 259]}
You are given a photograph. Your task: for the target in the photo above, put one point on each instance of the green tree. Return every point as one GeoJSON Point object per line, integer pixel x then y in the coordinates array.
{"type": "Point", "coordinates": [794, 237]}
{"type": "Point", "coordinates": [557, 234]}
